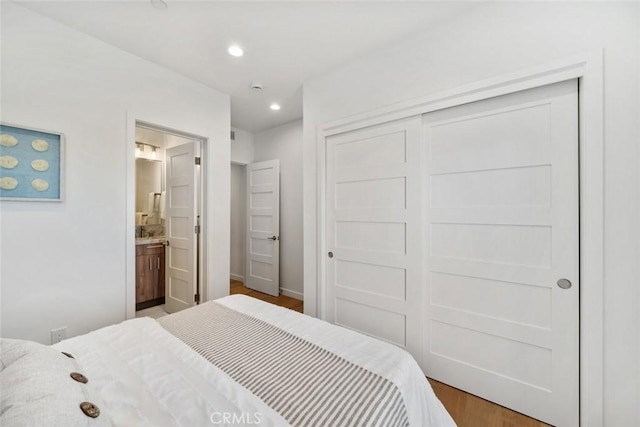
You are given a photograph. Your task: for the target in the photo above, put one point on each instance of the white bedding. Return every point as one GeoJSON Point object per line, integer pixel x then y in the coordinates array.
{"type": "Point", "coordinates": [148, 377]}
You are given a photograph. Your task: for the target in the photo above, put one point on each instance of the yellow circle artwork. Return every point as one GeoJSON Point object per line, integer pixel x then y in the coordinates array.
{"type": "Point", "coordinates": [8, 183]}
{"type": "Point", "coordinates": [8, 162]}
{"type": "Point", "coordinates": [8, 140]}
{"type": "Point", "coordinates": [40, 184]}
{"type": "Point", "coordinates": [40, 165]}
{"type": "Point", "coordinates": [40, 145]}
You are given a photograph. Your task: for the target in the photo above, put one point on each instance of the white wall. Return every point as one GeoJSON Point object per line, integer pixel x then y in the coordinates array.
{"type": "Point", "coordinates": [238, 220]}
{"type": "Point", "coordinates": [171, 141]}
{"type": "Point", "coordinates": [65, 264]}
{"type": "Point", "coordinates": [488, 41]}
{"type": "Point", "coordinates": [285, 143]}
{"type": "Point", "coordinates": [242, 147]}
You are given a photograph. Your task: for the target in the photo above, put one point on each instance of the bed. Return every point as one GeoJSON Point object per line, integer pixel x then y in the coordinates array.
{"type": "Point", "coordinates": [232, 361]}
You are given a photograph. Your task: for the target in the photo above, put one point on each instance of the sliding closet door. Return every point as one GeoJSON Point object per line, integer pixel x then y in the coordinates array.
{"type": "Point", "coordinates": [372, 221]}
{"type": "Point", "coordinates": [502, 261]}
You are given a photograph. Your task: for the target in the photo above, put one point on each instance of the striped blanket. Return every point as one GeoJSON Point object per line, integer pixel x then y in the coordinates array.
{"type": "Point", "coordinates": [306, 384]}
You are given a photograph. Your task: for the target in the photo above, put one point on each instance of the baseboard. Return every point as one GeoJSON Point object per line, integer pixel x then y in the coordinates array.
{"type": "Point", "coordinates": [149, 303]}
{"type": "Point", "coordinates": [292, 294]}
{"type": "Point", "coordinates": [237, 277]}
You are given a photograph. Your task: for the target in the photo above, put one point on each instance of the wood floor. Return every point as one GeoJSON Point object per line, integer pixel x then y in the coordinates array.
{"type": "Point", "coordinates": [238, 287]}
{"type": "Point", "coordinates": [466, 409]}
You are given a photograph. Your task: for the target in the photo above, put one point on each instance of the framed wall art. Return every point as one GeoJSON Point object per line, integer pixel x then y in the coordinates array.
{"type": "Point", "coordinates": [31, 164]}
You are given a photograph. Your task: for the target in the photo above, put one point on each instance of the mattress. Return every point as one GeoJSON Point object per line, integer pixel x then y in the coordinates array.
{"type": "Point", "coordinates": [232, 362]}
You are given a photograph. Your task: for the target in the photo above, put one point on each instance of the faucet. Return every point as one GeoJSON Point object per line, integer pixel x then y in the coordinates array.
{"type": "Point", "coordinates": [141, 231]}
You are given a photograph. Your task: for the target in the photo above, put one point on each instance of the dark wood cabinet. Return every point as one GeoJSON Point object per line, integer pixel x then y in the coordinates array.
{"type": "Point", "coordinates": [149, 275]}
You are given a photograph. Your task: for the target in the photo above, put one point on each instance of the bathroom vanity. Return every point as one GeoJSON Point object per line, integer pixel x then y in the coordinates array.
{"type": "Point", "coordinates": [149, 272]}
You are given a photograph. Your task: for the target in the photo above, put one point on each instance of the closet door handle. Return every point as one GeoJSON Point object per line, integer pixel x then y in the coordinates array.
{"type": "Point", "coordinates": [149, 263]}
{"type": "Point", "coordinates": [158, 263]}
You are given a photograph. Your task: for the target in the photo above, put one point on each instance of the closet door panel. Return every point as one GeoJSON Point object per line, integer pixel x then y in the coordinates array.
{"type": "Point", "coordinates": [502, 256]}
{"type": "Point", "coordinates": [373, 221]}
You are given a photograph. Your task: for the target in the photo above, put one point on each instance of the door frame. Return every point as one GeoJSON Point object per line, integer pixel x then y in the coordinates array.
{"type": "Point", "coordinates": [588, 69]}
{"type": "Point", "coordinates": [130, 210]}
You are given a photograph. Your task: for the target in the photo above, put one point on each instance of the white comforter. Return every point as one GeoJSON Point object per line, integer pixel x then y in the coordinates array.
{"type": "Point", "coordinates": [148, 377]}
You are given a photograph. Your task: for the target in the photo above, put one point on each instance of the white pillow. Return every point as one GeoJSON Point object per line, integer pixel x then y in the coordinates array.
{"type": "Point", "coordinates": [36, 388]}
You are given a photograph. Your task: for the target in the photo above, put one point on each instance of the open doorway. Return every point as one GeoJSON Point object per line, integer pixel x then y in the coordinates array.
{"type": "Point", "coordinates": [255, 233]}
{"type": "Point", "coordinates": [238, 223]}
{"type": "Point", "coordinates": [168, 211]}
{"type": "Point", "coordinates": [255, 227]}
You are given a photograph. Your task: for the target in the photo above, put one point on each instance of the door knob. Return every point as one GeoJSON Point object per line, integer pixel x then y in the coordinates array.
{"type": "Point", "coordinates": [564, 283]}
{"type": "Point", "coordinates": [330, 254]}
{"type": "Point", "coordinates": [272, 238]}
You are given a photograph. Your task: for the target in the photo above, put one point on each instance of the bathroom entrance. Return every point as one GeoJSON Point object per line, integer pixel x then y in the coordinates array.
{"type": "Point", "coordinates": [168, 207]}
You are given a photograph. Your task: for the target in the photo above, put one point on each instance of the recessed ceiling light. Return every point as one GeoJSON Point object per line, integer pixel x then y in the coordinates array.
{"type": "Point", "coordinates": [274, 107]}
{"type": "Point", "coordinates": [235, 50]}
{"type": "Point", "coordinates": [159, 4]}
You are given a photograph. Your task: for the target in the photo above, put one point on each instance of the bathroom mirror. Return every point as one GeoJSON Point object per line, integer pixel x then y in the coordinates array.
{"type": "Point", "coordinates": [149, 187]}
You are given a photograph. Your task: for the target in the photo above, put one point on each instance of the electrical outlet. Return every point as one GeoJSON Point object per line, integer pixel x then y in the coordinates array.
{"type": "Point", "coordinates": [58, 334]}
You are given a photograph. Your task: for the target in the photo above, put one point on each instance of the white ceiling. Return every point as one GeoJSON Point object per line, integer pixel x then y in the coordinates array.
{"type": "Point", "coordinates": [285, 43]}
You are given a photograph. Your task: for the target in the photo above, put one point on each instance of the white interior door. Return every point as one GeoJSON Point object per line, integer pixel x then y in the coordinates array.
{"type": "Point", "coordinates": [180, 274]}
{"type": "Point", "coordinates": [372, 232]}
{"type": "Point", "coordinates": [502, 214]}
{"type": "Point", "coordinates": [263, 227]}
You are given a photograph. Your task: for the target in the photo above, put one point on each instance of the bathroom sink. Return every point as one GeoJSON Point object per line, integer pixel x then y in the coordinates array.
{"type": "Point", "coordinates": [148, 240]}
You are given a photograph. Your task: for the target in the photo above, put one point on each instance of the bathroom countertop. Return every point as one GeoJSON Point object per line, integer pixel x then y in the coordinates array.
{"type": "Point", "coordinates": [149, 240]}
